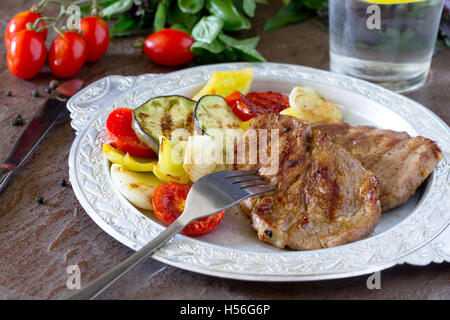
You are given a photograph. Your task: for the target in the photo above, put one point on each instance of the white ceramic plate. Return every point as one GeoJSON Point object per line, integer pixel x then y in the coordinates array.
{"type": "Point", "coordinates": [403, 235]}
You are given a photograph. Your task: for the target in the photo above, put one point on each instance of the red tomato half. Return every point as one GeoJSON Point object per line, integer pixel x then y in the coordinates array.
{"type": "Point", "coordinates": [256, 103]}
{"type": "Point", "coordinates": [19, 23]}
{"type": "Point", "coordinates": [168, 203]}
{"type": "Point", "coordinates": [121, 135]}
{"type": "Point", "coordinates": [96, 35]}
{"type": "Point", "coordinates": [67, 54]}
{"type": "Point", "coordinates": [26, 55]}
{"type": "Point", "coordinates": [169, 47]}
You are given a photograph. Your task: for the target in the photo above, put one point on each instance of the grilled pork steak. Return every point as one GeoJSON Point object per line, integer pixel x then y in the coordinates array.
{"type": "Point", "coordinates": [400, 162]}
{"type": "Point", "coordinates": [324, 198]}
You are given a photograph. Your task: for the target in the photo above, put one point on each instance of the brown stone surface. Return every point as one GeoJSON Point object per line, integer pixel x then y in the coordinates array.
{"type": "Point", "coordinates": [38, 242]}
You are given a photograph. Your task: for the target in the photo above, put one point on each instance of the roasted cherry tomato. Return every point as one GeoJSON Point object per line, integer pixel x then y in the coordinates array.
{"type": "Point", "coordinates": [26, 55]}
{"type": "Point", "coordinates": [121, 135]}
{"type": "Point", "coordinates": [256, 103]}
{"type": "Point", "coordinates": [96, 35]}
{"type": "Point", "coordinates": [168, 203]}
{"type": "Point", "coordinates": [269, 101]}
{"type": "Point", "coordinates": [169, 47]}
{"type": "Point", "coordinates": [19, 23]}
{"type": "Point", "coordinates": [239, 105]}
{"type": "Point", "coordinates": [67, 54]}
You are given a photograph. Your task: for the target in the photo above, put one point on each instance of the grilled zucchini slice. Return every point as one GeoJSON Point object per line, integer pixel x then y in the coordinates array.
{"type": "Point", "coordinates": [161, 116]}
{"type": "Point", "coordinates": [213, 112]}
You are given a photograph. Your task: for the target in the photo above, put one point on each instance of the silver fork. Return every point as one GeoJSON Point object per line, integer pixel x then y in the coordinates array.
{"type": "Point", "coordinates": [212, 193]}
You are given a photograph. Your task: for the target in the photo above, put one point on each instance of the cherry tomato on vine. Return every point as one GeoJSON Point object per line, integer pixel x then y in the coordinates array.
{"type": "Point", "coordinates": [169, 47]}
{"type": "Point", "coordinates": [27, 54]}
{"type": "Point", "coordinates": [96, 35]}
{"type": "Point", "coordinates": [121, 135]}
{"type": "Point", "coordinates": [19, 23]}
{"type": "Point", "coordinates": [67, 54]}
{"type": "Point", "coordinates": [168, 204]}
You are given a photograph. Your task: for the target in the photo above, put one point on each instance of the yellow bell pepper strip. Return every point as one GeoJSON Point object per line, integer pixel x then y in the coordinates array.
{"type": "Point", "coordinates": [126, 160]}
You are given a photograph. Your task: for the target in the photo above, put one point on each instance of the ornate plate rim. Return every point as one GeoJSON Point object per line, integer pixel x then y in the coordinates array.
{"type": "Point", "coordinates": [195, 255]}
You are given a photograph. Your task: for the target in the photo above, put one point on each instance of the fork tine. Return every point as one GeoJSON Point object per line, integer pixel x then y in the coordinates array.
{"type": "Point", "coordinates": [260, 189]}
{"type": "Point", "coordinates": [222, 189]}
{"type": "Point", "coordinates": [249, 184]}
{"type": "Point", "coordinates": [240, 173]}
{"type": "Point", "coordinates": [247, 178]}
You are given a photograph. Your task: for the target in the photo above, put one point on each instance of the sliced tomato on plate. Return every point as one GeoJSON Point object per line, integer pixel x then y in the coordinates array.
{"type": "Point", "coordinates": [121, 135]}
{"type": "Point", "coordinates": [246, 107]}
{"type": "Point", "coordinates": [168, 204]}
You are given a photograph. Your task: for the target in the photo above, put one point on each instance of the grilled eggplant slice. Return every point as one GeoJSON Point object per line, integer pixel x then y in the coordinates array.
{"type": "Point", "coordinates": [161, 116]}
{"type": "Point", "coordinates": [213, 112]}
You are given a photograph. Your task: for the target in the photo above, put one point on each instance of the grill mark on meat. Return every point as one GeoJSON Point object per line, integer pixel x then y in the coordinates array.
{"type": "Point", "coordinates": [400, 162]}
{"type": "Point", "coordinates": [330, 197]}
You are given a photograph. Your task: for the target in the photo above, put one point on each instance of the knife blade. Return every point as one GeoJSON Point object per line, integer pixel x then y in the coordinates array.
{"type": "Point", "coordinates": [48, 114]}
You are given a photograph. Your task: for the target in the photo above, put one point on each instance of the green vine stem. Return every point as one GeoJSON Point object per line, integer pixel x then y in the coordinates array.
{"type": "Point", "coordinates": [63, 12]}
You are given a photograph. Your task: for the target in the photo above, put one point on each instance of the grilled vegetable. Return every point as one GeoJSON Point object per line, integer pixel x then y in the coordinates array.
{"type": "Point", "coordinates": [201, 157]}
{"type": "Point", "coordinates": [169, 200]}
{"type": "Point", "coordinates": [120, 134]}
{"type": "Point", "coordinates": [161, 116]}
{"type": "Point", "coordinates": [312, 107]}
{"type": "Point", "coordinates": [291, 112]}
{"type": "Point", "coordinates": [223, 83]}
{"type": "Point", "coordinates": [212, 112]}
{"type": "Point", "coordinates": [167, 177]}
{"type": "Point", "coordinates": [126, 160]}
{"type": "Point", "coordinates": [249, 106]}
{"type": "Point", "coordinates": [137, 187]}
{"type": "Point", "coordinates": [245, 124]}
{"type": "Point", "coordinates": [170, 161]}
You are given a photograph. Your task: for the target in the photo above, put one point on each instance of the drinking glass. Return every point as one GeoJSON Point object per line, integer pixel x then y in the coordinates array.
{"type": "Point", "coordinates": [387, 42]}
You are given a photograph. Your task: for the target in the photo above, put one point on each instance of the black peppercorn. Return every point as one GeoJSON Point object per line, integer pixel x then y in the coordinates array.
{"type": "Point", "coordinates": [8, 93]}
{"type": "Point", "coordinates": [17, 120]}
{"type": "Point", "coordinates": [48, 90]}
{"type": "Point", "coordinates": [35, 93]}
{"type": "Point", "coordinates": [63, 182]}
{"type": "Point", "coordinates": [40, 199]}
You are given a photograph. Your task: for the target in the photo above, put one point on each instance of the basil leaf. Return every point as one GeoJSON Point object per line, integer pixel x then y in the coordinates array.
{"type": "Point", "coordinates": [249, 7]}
{"type": "Point", "coordinates": [160, 16]}
{"type": "Point", "coordinates": [291, 13]}
{"type": "Point", "coordinates": [245, 48]}
{"type": "Point", "coordinates": [207, 29]}
{"type": "Point", "coordinates": [191, 6]}
{"type": "Point", "coordinates": [225, 10]}
{"type": "Point", "coordinates": [176, 16]}
{"type": "Point", "coordinates": [119, 6]}
{"type": "Point", "coordinates": [124, 26]}
{"type": "Point", "coordinates": [215, 47]}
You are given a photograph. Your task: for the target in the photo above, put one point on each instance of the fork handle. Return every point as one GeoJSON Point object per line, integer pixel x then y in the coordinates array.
{"type": "Point", "coordinates": [5, 176]}
{"type": "Point", "coordinates": [96, 286]}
